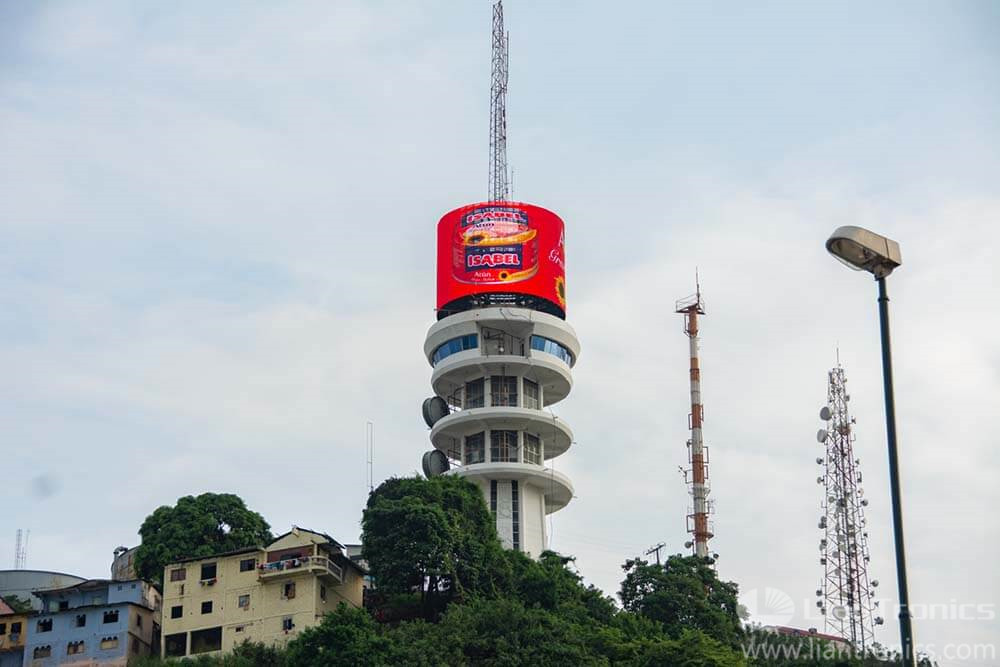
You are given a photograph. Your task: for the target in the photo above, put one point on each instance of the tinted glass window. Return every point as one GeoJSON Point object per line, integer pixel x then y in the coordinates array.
{"type": "Point", "coordinates": [549, 346]}
{"type": "Point", "coordinates": [467, 342]}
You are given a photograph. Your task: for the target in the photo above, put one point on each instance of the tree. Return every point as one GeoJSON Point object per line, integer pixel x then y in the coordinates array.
{"type": "Point", "coordinates": [684, 592]}
{"type": "Point", "coordinates": [346, 636]}
{"type": "Point", "coordinates": [18, 604]}
{"type": "Point", "coordinates": [197, 527]}
{"type": "Point", "coordinates": [432, 536]}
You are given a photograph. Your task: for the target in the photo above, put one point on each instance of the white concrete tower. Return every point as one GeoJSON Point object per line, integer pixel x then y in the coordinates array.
{"type": "Point", "coordinates": [502, 354]}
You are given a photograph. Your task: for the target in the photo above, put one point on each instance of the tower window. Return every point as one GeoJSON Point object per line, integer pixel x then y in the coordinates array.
{"type": "Point", "coordinates": [503, 390]}
{"type": "Point", "coordinates": [503, 446]}
{"type": "Point", "coordinates": [474, 394]}
{"type": "Point", "coordinates": [453, 346]}
{"type": "Point", "coordinates": [531, 395]}
{"type": "Point", "coordinates": [532, 449]}
{"type": "Point", "coordinates": [515, 514]}
{"type": "Point", "coordinates": [549, 346]}
{"type": "Point", "coordinates": [475, 448]}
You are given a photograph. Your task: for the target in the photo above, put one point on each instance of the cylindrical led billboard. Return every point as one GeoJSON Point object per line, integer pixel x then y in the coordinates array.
{"type": "Point", "coordinates": [501, 254]}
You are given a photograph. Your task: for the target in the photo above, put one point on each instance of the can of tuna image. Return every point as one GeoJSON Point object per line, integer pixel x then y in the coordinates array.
{"type": "Point", "coordinates": [494, 245]}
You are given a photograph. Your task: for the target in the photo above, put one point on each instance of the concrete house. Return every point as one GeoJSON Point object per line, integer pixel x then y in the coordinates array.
{"type": "Point", "coordinates": [97, 622]}
{"type": "Point", "coordinates": [12, 632]}
{"type": "Point", "coordinates": [259, 594]}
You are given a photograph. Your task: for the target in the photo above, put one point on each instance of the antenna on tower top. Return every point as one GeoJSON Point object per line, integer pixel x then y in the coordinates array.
{"type": "Point", "coordinates": [499, 187]}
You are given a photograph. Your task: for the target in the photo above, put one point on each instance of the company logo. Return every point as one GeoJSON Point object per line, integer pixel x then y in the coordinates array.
{"type": "Point", "coordinates": [769, 606]}
{"type": "Point", "coordinates": [495, 213]}
{"type": "Point", "coordinates": [493, 257]}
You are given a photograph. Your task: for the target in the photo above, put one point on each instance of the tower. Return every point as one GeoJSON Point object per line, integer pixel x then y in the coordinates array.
{"type": "Point", "coordinates": [845, 596]}
{"type": "Point", "coordinates": [502, 353]}
{"type": "Point", "coordinates": [501, 350]}
{"type": "Point", "coordinates": [696, 476]}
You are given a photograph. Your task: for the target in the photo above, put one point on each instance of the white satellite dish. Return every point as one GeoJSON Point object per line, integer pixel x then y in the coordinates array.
{"type": "Point", "coordinates": [435, 408]}
{"type": "Point", "coordinates": [839, 612]}
{"type": "Point", "coordinates": [821, 435]}
{"type": "Point", "coordinates": [435, 463]}
{"type": "Point", "coordinates": [825, 413]}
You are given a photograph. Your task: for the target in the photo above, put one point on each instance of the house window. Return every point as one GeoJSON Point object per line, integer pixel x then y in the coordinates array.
{"type": "Point", "coordinates": [15, 628]}
{"type": "Point", "coordinates": [475, 448]}
{"type": "Point", "coordinates": [109, 643]}
{"type": "Point", "coordinates": [63, 605]}
{"type": "Point", "coordinates": [503, 446]}
{"type": "Point", "coordinates": [531, 394]}
{"type": "Point", "coordinates": [175, 646]}
{"type": "Point", "coordinates": [41, 652]}
{"type": "Point", "coordinates": [206, 607]}
{"type": "Point", "coordinates": [239, 628]}
{"type": "Point", "coordinates": [45, 625]}
{"type": "Point", "coordinates": [475, 393]}
{"type": "Point", "coordinates": [532, 449]}
{"type": "Point", "coordinates": [138, 621]}
{"type": "Point", "coordinates": [81, 620]}
{"type": "Point", "coordinates": [73, 648]}
{"type": "Point", "coordinates": [208, 571]}
{"type": "Point", "coordinates": [286, 624]}
{"type": "Point", "coordinates": [248, 564]}
{"type": "Point", "coordinates": [177, 612]}
{"type": "Point", "coordinates": [288, 591]}
{"type": "Point", "coordinates": [111, 616]}
{"type": "Point", "coordinates": [503, 390]}
{"type": "Point", "coordinates": [3, 628]}
{"type": "Point", "coordinates": [180, 589]}
{"type": "Point", "coordinates": [203, 641]}
{"type": "Point", "coordinates": [244, 601]}
{"type": "Point", "coordinates": [178, 575]}
{"type": "Point", "coordinates": [322, 593]}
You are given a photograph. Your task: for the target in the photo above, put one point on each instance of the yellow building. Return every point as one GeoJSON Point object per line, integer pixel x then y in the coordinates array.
{"type": "Point", "coordinates": [260, 594]}
{"type": "Point", "coordinates": [13, 630]}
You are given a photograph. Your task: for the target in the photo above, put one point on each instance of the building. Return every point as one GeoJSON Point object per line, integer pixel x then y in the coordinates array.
{"type": "Point", "coordinates": [24, 583]}
{"type": "Point", "coordinates": [13, 627]}
{"type": "Point", "coordinates": [259, 594]}
{"type": "Point", "coordinates": [96, 622]}
{"type": "Point", "coordinates": [123, 564]}
{"type": "Point", "coordinates": [502, 354]}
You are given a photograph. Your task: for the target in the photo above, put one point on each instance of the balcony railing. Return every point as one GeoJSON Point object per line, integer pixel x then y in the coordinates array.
{"type": "Point", "coordinates": [318, 565]}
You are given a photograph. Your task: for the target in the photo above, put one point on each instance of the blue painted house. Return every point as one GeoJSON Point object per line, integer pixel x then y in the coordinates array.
{"type": "Point", "coordinates": [97, 622]}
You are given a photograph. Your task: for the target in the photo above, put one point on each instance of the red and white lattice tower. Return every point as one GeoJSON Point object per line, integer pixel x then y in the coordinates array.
{"type": "Point", "coordinates": [845, 597]}
{"type": "Point", "coordinates": [698, 523]}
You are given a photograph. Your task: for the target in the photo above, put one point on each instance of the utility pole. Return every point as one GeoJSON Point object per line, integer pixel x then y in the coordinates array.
{"type": "Point", "coordinates": [656, 549]}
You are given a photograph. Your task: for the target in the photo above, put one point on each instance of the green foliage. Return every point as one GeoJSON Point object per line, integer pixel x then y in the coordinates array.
{"type": "Point", "coordinates": [683, 593]}
{"type": "Point", "coordinates": [434, 536]}
{"type": "Point", "coordinates": [346, 636]}
{"type": "Point", "coordinates": [18, 604]}
{"type": "Point", "coordinates": [195, 527]}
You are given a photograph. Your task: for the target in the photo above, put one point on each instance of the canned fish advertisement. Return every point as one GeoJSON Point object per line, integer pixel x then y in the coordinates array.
{"type": "Point", "coordinates": [501, 248]}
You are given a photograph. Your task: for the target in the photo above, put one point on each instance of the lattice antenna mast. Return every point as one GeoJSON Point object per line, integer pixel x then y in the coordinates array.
{"type": "Point", "coordinates": [499, 187]}
{"type": "Point", "coordinates": [21, 549]}
{"type": "Point", "coordinates": [698, 522]}
{"type": "Point", "coordinates": [846, 595]}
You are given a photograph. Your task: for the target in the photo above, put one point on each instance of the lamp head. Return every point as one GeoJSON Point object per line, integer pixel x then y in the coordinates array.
{"type": "Point", "coordinates": [863, 250]}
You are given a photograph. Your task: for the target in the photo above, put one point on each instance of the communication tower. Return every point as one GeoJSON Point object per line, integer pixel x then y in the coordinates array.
{"type": "Point", "coordinates": [501, 351]}
{"type": "Point", "coordinates": [21, 549]}
{"type": "Point", "coordinates": [846, 595]}
{"type": "Point", "coordinates": [698, 523]}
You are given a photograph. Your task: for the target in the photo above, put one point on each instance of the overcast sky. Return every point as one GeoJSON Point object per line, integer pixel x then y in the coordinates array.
{"type": "Point", "coordinates": [218, 263]}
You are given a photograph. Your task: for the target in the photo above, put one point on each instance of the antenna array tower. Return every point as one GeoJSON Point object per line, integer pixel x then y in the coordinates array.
{"type": "Point", "coordinates": [696, 476]}
{"type": "Point", "coordinates": [499, 186]}
{"type": "Point", "coordinates": [21, 549]}
{"type": "Point", "coordinates": [846, 595]}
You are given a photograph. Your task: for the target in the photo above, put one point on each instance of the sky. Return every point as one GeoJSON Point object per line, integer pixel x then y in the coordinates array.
{"type": "Point", "coordinates": [218, 227]}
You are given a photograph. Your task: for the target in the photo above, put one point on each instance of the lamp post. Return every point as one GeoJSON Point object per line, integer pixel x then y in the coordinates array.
{"type": "Point", "coordinates": [863, 250]}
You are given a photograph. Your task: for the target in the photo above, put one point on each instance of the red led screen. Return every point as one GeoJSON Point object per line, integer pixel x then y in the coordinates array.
{"type": "Point", "coordinates": [501, 248]}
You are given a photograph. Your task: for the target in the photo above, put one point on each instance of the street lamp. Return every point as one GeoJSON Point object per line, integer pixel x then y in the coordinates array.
{"type": "Point", "coordinates": [863, 250]}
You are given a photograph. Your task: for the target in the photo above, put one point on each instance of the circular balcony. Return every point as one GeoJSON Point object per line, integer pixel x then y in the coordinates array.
{"type": "Point", "coordinates": [550, 372]}
{"type": "Point", "coordinates": [555, 434]}
{"type": "Point", "coordinates": [555, 486]}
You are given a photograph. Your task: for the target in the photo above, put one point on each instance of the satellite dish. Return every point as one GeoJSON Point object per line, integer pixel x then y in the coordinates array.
{"type": "Point", "coordinates": [819, 460]}
{"type": "Point", "coordinates": [825, 414]}
{"type": "Point", "coordinates": [435, 408]}
{"type": "Point", "coordinates": [839, 612]}
{"type": "Point", "coordinates": [821, 435]}
{"type": "Point", "coordinates": [435, 463]}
